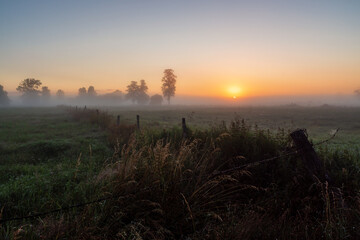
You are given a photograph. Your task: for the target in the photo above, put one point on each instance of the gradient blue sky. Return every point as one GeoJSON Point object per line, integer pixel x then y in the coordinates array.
{"type": "Point", "coordinates": [260, 47]}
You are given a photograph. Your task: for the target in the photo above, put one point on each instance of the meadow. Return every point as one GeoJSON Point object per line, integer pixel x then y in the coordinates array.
{"type": "Point", "coordinates": [320, 122]}
{"type": "Point", "coordinates": [160, 185]}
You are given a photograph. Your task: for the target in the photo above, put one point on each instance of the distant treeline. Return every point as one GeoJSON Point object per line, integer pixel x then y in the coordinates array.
{"type": "Point", "coordinates": [33, 93]}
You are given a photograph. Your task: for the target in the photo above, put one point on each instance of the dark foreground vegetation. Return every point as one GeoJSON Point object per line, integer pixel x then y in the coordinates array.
{"type": "Point", "coordinates": [159, 184]}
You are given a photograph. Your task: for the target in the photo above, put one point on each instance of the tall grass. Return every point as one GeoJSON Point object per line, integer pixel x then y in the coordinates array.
{"type": "Point", "coordinates": [163, 187]}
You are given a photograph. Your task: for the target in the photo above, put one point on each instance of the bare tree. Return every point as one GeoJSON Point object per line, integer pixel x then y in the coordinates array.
{"type": "Point", "coordinates": [168, 84]}
{"type": "Point", "coordinates": [4, 99]}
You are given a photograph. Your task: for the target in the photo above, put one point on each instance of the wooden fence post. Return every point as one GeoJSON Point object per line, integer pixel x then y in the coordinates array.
{"type": "Point", "coordinates": [310, 159]}
{"type": "Point", "coordinates": [97, 117]}
{"type": "Point", "coordinates": [118, 120]}
{"type": "Point", "coordinates": [138, 122]}
{"type": "Point", "coordinates": [184, 129]}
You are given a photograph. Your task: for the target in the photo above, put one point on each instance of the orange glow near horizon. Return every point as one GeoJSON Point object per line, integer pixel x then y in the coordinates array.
{"type": "Point", "coordinates": [234, 91]}
{"type": "Point", "coordinates": [247, 50]}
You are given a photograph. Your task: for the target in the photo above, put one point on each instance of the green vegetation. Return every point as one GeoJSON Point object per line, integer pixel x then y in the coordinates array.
{"type": "Point", "coordinates": [319, 121]}
{"type": "Point", "coordinates": [46, 159]}
{"type": "Point", "coordinates": [160, 185]}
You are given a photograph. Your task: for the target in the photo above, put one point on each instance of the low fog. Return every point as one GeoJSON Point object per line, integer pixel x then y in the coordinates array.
{"type": "Point", "coordinates": [119, 99]}
{"type": "Point", "coordinates": [32, 93]}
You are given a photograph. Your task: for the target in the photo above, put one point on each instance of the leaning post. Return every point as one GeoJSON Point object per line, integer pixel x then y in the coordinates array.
{"type": "Point", "coordinates": [118, 120]}
{"type": "Point", "coordinates": [310, 159]}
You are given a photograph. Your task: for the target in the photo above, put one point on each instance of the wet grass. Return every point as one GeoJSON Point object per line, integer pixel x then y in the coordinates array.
{"type": "Point", "coordinates": [161, 184]}
{"type": "Point", "coordinates": [46, 159]}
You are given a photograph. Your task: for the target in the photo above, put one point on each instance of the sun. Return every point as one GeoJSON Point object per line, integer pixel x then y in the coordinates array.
{"type": "Point", "coordinates": [234, 91]}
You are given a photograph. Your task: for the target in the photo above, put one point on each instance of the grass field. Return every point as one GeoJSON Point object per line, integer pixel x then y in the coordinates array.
{"type": "Point", "coordinates": [46, 159]}
{"type": "Point", "coordinates": [50, 157]}
{"type": "Point", "coordinates": [320, 122]}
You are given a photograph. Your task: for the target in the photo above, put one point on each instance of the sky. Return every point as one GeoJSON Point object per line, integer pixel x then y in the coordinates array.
{"type": "Point", "coordinates": [218, 48]}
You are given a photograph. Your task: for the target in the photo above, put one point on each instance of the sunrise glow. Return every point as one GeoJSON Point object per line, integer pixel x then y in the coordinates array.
{"type": "Point", "coordinates": [234, 91]}
{"type": "Point", "coordinates": [211, 45]}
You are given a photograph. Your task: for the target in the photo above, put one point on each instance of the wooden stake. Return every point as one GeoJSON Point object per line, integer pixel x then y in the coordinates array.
{"type": "Point", "coordinates": [310, 159]}
{"type": "Point", "coordinates": [138, 121]}
{"type": "Point", "coordinates": [184, 128]}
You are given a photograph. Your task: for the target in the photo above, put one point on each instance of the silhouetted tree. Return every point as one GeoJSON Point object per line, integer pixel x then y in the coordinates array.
{"type": "Point", "coordinates": [168, 84]}
{"type": "Point", "coordinates": [29, 88]}
{"type": "Point", "coordinates": [132, 91]}
{"type": "Point", "coordinates": [82, 92]}
{"type": "Point", "coordinates": [157, 99]}
{"type": "Point", "coordinates": [143, 97]}
{"type": "Point", "coordinates": [91, 92]}
{"type": "Point", "coordinates": [4, 99]}
{"type": "Point", "coordinates": [45, 92]}
{"type": "Point", "coordinates": [60, 94]}
{"type": "Point", "coordinates": [137, 93]}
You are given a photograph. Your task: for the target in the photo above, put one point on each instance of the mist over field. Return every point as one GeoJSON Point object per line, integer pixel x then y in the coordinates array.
{"type": "Point", "coordinates": [180, 120]}
{"type": "Point", "coordinates": [305, 101]}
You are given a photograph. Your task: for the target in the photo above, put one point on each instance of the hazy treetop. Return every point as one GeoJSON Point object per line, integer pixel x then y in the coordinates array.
{"type": "Point", "coordinates": [29, 85]}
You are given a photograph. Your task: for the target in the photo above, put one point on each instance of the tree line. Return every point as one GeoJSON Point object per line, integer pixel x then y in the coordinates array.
{"type": "Point", "coordinates": [33, 93]}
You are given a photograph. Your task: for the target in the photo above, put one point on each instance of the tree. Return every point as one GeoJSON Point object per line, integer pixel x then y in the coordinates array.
{"type": "Point", "coordinates": [45, 92]}
{"type": "Point", "coordinates": [357, 92]}
{"type": "Point", "coordinates": [29, 88]}
{"type": "Point", "coordinates": [91, 92]}
{"type": "Point", "coordinates": [132, 91]}
{"type": "Point", "coordinates": [137, 93]}
{"type": "Point", "coordinates": [143, 97]}
{"type": "Point", "coordinates": [168, 84]}
{"type": "Point", "coordinates": [29, 85]}
{"type": "Point", "coordinates": [157, 99]}
{"type": "Point", "coordinates": [4, 99]}
{"type": "Point", "coordinates": [82, 92]}
{"type": "Point", "coordinates": [60, 94]}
